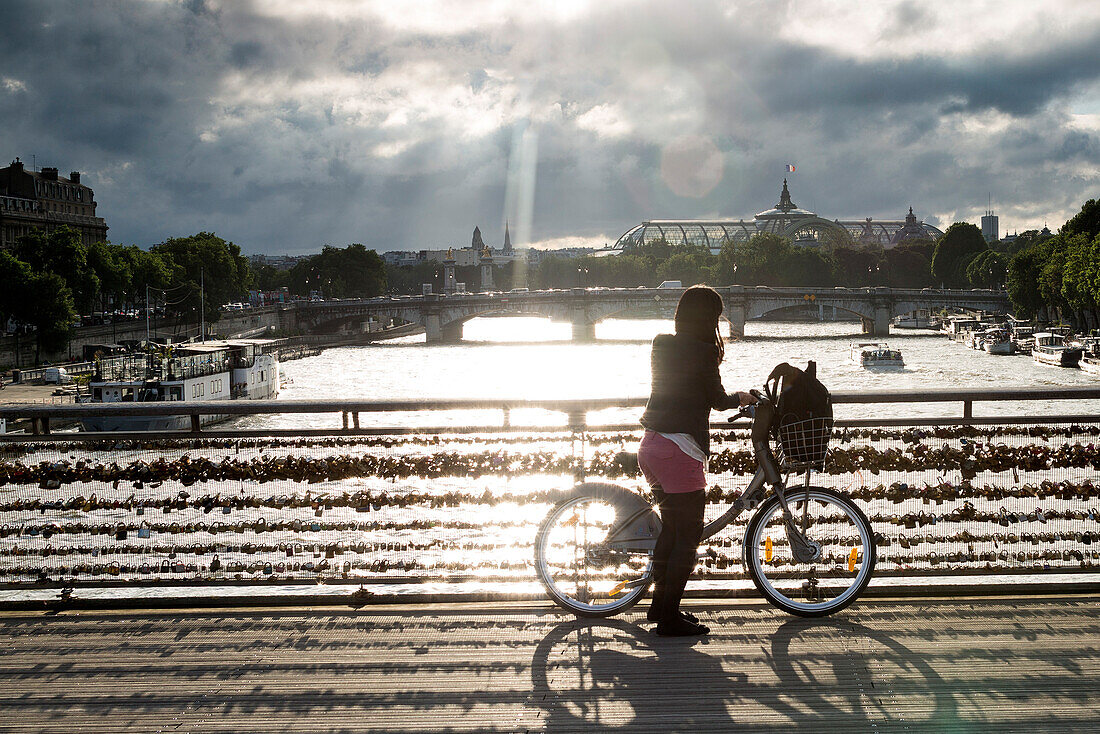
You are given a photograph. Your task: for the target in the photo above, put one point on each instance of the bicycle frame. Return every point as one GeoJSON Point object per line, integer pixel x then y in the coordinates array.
{"type": "Point", "coordinates": [637, 532]}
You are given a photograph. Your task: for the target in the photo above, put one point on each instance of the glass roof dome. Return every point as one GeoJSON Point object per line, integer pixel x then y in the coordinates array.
{"type": "Point", "coordinates": [785, 219]}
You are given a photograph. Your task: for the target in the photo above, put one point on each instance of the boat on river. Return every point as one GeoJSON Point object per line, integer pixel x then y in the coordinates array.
{"type": "Point", "coordinates": [876, 354]}
{"type": "Point", "coordinates": [1051, 349]}
{"type": "Point", "coordinates": [996, 341]}
{"type": "Point", "coordinates": [1023, 338]}
{"type": "Point", "coordinates": [919, 319]}
{"type": "Point", "coordinates": [1090, 355]}
{"type": "Point", "coordinates": [238, 369]}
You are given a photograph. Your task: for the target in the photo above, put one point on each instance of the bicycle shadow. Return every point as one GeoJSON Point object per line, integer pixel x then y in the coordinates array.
{"type": "Point", "coordinates": [616, 676]}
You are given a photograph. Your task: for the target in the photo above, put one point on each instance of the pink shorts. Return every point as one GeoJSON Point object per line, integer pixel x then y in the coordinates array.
{"type": "Point", "coordinates": [667, 467]}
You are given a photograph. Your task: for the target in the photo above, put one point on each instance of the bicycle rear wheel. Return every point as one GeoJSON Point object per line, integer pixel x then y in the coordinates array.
{"type": "Point", "coordinates": [593, 552]}
{"type": "Point", "coordinates": [833, 572]}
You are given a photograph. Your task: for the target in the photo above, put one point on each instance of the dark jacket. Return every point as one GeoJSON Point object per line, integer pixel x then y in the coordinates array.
{"type": "Point", "coordinates": [686, 387]}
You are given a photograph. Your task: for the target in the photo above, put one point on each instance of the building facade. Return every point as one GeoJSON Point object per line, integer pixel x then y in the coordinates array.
{"type": "Point", "coordinates": [990, 226]}
{"type": "Point", "coordinates": [462, 256]}
{"type": "Point", "coordinates": [43, 199]}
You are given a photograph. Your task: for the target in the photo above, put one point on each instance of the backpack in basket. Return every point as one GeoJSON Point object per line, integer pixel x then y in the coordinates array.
{"type": "Point", "coordinates": [803, 418]}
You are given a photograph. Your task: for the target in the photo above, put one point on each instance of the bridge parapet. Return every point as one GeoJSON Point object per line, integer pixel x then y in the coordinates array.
{"type": "Point", "coordinates": [387, 498]}
{"type": "Point", "coordinates": [443, 315]}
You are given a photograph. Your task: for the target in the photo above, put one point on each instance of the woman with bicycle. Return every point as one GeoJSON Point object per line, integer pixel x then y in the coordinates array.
{"type": "Point", "coordinates": [686, 386]}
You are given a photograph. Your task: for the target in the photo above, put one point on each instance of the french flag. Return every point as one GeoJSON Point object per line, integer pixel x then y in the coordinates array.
{"type": "Point", "coordinates": [790, 168]}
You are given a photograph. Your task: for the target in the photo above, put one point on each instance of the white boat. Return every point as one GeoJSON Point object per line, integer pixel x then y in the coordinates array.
{"type": "Point", "coordinates": [238, 369]}
{"type": "Point", "coordinates": [996, 341]}
{"type": "Point", "coordinates": [1023, 338]}
{"type": "Point", "coordinates": [1051, 349]}
{"type": "Point", "coordinates": [919, 319]}
{"type": "Point", "coordinates": [1090, 356]}
{"type": "Point", "coordinates": [876, 354]}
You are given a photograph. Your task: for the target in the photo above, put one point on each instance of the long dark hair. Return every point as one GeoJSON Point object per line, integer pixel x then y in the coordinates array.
{"type": "Point", "coordinates": [697, 316]}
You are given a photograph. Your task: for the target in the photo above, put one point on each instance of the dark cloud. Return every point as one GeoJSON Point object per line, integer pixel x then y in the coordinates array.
{"type": "Point", "coordinates": [286, 132]}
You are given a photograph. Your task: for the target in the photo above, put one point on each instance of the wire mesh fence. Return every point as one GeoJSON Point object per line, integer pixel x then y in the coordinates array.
{"type": "Point", "coordinates": [944, 500]}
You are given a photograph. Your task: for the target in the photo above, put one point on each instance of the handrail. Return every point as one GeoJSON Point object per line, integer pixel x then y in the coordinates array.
{"type": "Point", "coordinates": [13, 411]}
{"type": "Point", "coordinates": [576, 410]}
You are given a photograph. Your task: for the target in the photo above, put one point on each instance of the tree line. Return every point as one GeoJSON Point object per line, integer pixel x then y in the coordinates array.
{"type": "Point", "coordinates": [1057, 278]}
{"type": "Point", "coordinates": [52, 278]}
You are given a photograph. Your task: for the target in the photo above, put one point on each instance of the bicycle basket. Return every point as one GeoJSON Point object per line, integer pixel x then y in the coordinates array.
{"type": "Point", "coordinates": [802, 445]}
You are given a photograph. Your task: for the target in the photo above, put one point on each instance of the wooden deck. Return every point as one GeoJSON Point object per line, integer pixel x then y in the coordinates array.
{"type": "Point", "coordinates": [927, 665]}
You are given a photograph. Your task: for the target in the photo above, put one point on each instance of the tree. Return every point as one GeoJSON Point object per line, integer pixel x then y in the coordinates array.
{"type": "Point", "coordinates": [42, 300]}
{"type": "Point", "coordinates": [954, 251]}
{"type": "Point", "coordinates": [49, 304]}
{"type": "Point", "coordinates": [349, 272]}
{"type": "Point", "coordinates": [1081, 275]}
{"type": "Point", "coordinates": [206, 259]}
{"type": "Point", "coordinates": [61, 251]}
{"type": "Point", "coordinates": [146, 269]}
{"type": "Point", "coordinates": [1023, 281]}
{"type": "Point", "coordinates": [986, 270]}
{"type": "Point", "coordinates": [268, 278]}
{"type": "Point", "coordinates": [16, 276]}
{"type": "Point", "coordinates": [1086, 222]}
{"type": "Point", "coordinates": [112, 270]}
{"type": "Point", "coordinates": [1020, 243]}
{"type": "Point", "coordinates": [762, 260]}
{"type": "Point", "coordinates": [690, 268]}
{"type": "Point", "coordinates": [1050, 277]}
{"type": "Point", "coordinates": [856, 267]}
{"type": "Point", "coordinates": [909, 266]}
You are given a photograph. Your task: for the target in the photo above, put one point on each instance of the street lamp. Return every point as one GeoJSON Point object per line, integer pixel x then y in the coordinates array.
{"type": "Point", "coordinates": [584, 276]}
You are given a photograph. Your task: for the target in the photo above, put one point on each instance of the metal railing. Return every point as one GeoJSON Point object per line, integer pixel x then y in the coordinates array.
{"type": "Point", "coordinates": [42, 417]}
{"type": "Point", "coordinates": [452, 491]}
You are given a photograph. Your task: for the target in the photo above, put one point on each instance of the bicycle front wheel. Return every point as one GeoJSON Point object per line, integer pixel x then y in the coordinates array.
{"type": "Point", "coordinates": [593, 552]}
{"type": "Point", "coordinates": [828, 563]}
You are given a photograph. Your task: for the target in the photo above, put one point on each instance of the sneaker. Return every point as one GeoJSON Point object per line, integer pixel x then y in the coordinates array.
{"type": "Point", "coordinates": [680, 628]}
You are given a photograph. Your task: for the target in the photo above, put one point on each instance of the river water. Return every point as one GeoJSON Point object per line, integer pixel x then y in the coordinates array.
{"type": "Point", "coordinates": [533, 358]}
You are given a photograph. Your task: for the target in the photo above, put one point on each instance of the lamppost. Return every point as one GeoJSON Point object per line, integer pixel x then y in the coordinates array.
{"type": "Point", "coordinates": [583, 272]}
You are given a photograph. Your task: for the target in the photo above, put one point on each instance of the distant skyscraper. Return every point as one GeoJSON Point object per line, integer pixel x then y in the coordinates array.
{"type": "Point", "coordinates": [990, 224]}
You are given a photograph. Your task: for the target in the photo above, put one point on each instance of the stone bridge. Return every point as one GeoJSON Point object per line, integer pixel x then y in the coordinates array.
{"type": "Point", "coordinates": [443, 315]}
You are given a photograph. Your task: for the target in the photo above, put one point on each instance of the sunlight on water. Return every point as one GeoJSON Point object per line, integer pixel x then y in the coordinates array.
{"type": "Point", "coordinates": [526, 357]}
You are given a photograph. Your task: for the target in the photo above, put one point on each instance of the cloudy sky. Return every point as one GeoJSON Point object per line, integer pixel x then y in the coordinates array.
{"type": "Point", "coordinates": [285, 125]}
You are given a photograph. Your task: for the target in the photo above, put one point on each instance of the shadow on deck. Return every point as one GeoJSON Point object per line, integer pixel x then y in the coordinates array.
{"type": "Point", "coordinates": [959, 665]}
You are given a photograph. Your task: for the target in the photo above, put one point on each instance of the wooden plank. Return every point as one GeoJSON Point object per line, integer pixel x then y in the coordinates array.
{"type": "Point", "coordinates": [931, 665]}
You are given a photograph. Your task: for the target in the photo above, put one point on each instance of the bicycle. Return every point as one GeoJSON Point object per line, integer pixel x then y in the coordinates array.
{"type": "Point", "coordinates": [809, 550]}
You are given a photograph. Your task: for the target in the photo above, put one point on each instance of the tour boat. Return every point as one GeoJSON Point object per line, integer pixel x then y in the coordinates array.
{"type": "Point", "coordinates": [874, 354]}
{"type": "Point", "coordinates": [238, 369]}
{"type": "Point", "coordinates": [1051, 349]}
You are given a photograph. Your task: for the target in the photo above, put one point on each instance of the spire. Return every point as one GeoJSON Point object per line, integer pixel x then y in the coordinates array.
{"type": "Point", "coordinates": [910, 218]}
{"type": "Point", "coordinates": [477, 243]}
{"type": "Point", "coordinates": [785, 204]}
{"type": "Point", "coordinates": [507, 239]}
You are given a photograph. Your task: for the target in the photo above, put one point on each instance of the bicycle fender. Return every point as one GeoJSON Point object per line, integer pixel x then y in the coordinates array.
{"type": "Point", "coordinates": [638, 525]}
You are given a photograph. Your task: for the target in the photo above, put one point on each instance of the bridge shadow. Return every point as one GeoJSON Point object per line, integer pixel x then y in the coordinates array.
{"type": "Point", "coordinates": [939, 667]}
{"type": "Point", "coordinates": [912, 665]}
{"type": "Point", "coordinates": [614, 675]}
